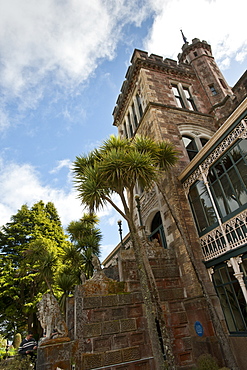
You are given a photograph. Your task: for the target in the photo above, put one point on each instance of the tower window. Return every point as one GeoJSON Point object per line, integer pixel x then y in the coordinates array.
{"type": "Point", "coordinates": [139, 104]}
{"type": "Point", "coordinates": [125, 130]}
{"type": "Point", "coordinates": [134, 115]}
{"type": "Point", "coordinates": [195, 54]}
{"type": "Point", "coordinates": [223, 84]}
{"type": "Point", "coordinates": [183, 97]}
{"type": "Point", "coordinates": [130, 126]}
{"type": "Point", "coordinates": [212, 89]}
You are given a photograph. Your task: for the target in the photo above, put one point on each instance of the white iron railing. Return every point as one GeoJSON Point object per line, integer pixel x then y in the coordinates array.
{"type": "Point", "coordinates": [230, 235]}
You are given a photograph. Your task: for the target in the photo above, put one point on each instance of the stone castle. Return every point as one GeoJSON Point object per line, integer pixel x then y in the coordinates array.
{"type": "Point", "coordinates": [196, 228]}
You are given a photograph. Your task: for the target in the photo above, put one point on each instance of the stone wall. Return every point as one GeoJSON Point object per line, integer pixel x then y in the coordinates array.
{"type": "Point", "coordinates": [112, 332]}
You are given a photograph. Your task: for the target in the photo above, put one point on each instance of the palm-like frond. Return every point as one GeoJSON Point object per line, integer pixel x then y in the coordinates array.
{"type": "Point", "coordinates": [145, 144]}
{"type": "Point", "coordinates": [90, 219]}
{"type": "Point", "coordinates": [72, 254]}
{"type": "Point", "coordinates": [139, 167]}
{"type": "Point", "coordinates": [84, 161]}
{"type": "Point", "coordinates": [66, 281]}
{"type": "Point", "coordinates": [167, 155]}
{"type": "Point", "coordinates": [92, 190]}
{"type": "Point", "coordinates": [112, 169]}
{"type": "Point", "coordinates": [114, 142]}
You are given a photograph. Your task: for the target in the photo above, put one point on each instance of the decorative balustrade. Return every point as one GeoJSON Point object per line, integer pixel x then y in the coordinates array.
{"type": "Point", "coordinates": [230, 235]}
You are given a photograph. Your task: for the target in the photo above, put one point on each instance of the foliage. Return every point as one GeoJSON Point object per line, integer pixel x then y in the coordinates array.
{"type": "Point", "coordinates": [16, 363]}
{"type": "Point", "coordinates": [116, 167]}
{"type": "Point", "coordinates": [30, 245]}
{"type": "Point", "coordinates": [36, 257]}
{"type": "Point", "coordinates": [85, 238]}
{"type": "Point", "coordinates": [17, 340]}
{"type": "Point", "coordinates": [206, 362]}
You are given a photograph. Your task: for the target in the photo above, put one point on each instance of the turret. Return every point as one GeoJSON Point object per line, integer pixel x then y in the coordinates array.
{"type": "Point", "coordinates": [198, 54]}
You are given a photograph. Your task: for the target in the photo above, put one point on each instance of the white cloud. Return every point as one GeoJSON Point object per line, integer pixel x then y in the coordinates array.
{"type": "Point", "coordinates": [20, 184]}
{"type": "Point", "coordinates": [220, 22]}
{"type": "Point", "coordinates": [58, 42]}
{"type": "Point", "coordinates": [62, 42]}
{"type": "Point", "coordinates": [61, 164]}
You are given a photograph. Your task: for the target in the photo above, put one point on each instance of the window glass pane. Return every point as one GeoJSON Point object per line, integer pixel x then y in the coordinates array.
{"type": "Point", "coordinates": [190, 146]}
{"type": "Point", "coordinates": [186, 140]}
{"type": "Point", "coordinates": [200, 217]}
{"type": "Point", "coordinates": [226, 308]}
{"type": "Point", "coordinates": [243, 266]}
{"type": "Point", "coordinates": [202, 207]}
{"type": "Point", "coordinates": [217, 277]}
{"type": "Point", "coordinates": [186, 92]}
{"type": "Point", "coordinates": [208, 208]}
{"type": "Point", "coordinates": [242, 168]}
{"type": "Point", "coordinates": [203, 141]}
{"type": "Point", "coordinates": [236, 154]}
{"type": "Point", "coordinates": [211, 175]}
{"type": "Point", "coordinates": [243, 146]}
{"type": "Point", "coordinates": [227, 162]}
{"type": "Point", "coordinates": [178, 97]}
{"type": "Point", "coordinates": [237, 185]}
{"type": "Point", "coordinates": [229, 194]}
{"type": "Point", "coordinates": [224, 275]}
{"type": "Point", "coordinates": [219, 169]}
{"type": "Point", "coordinates": [220, 199]}
{"type": "Point", "coordinates": [175, 90]}
{"type": "Point", "coordinates": [235, 297]}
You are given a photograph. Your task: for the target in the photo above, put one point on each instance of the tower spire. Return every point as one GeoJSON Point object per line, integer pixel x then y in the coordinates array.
{"type": "Point", "coordinates": [184, 38]}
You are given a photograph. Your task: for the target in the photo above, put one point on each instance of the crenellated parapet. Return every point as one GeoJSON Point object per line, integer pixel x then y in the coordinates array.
{"type": "Point", "coordinates": [142, 60]}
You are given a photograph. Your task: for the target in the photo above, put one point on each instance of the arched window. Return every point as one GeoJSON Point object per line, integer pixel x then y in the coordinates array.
{"type": "Point", "coordinates": [193, 144]}
{"type": "Point", "coordinates": [157, 230]}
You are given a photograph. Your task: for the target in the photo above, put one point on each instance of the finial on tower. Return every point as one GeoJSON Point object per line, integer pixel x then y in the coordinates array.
{"type": "Point", "coordinates": [184, 38]}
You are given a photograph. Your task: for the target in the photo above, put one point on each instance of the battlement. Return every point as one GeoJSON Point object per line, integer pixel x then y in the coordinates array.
{"type": "Point", "coordinates": [141, 59]}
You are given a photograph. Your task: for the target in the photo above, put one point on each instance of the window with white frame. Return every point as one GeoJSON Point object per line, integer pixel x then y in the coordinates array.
{"type": "Point", "coordinates": [183, 97]}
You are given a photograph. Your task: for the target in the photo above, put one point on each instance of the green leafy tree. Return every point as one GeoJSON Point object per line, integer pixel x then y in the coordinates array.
{"type": "Point", "coordinates": [31, 246]}
{"type": "Point", "coordinates": [115, 168]}
{"type": "Point", "coordinates": [85, 238]}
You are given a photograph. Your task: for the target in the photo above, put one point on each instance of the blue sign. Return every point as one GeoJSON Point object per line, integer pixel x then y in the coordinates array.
{"type": "Point", "coordinates": [198, 328]}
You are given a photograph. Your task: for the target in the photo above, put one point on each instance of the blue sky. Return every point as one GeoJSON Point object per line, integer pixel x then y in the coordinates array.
{"type": "Point", "coordinates": [62, 64]}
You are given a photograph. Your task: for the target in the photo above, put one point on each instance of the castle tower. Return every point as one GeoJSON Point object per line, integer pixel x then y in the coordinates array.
{"type": "Point", "coordinates": [198, 54]}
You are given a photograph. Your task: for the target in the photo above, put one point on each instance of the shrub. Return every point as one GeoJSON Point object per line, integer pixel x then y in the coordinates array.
{"type": "Point", "coordinates": [16, 363]}
{"type": "Point", "coordinates": [206, 362]}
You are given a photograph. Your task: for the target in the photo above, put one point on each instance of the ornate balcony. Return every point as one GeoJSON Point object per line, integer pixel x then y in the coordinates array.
{"type": "Point", "coordinates": [228, 236]}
